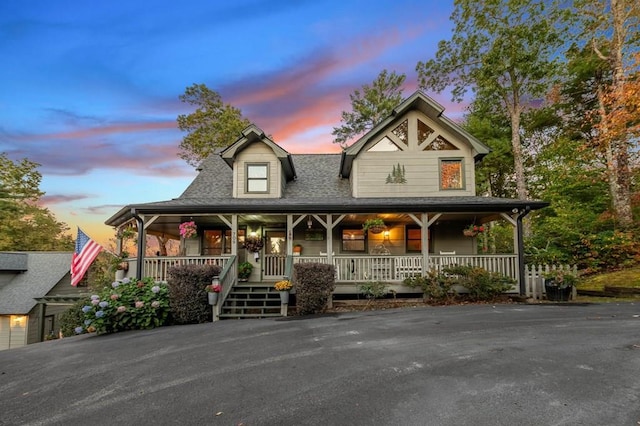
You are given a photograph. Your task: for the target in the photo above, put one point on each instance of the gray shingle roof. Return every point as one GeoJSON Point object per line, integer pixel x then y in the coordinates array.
{"type": "Point", "coordinates": [44, 271]}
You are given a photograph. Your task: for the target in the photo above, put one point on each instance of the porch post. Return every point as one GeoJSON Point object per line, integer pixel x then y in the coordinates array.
{"type": "Point", "coordinates": [290, 235]}
{"type": "Point", "coordinates": [141, 244]}
{"type": "Point", "coordinates": [329, 228]}
{"type": "Point", "coordinates": [424, 235]}
{"type": "Point", "coordinates": [234, 235]}
{"type": "Point", "coordinates": [520, 248]}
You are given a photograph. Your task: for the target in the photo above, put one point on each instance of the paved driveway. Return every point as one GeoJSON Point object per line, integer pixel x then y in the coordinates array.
{"type": "Point", "coordinates": [460, 365]}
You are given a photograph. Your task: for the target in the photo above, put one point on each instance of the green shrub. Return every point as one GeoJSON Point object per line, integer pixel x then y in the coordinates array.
{"type": "Point", "coordinates": [73, 318]}
{"type": "Point", "coordinates": [314, 283]}
{"type": "Point", "coordinates": [373, 289]}
{"type": "Point", "coordinates": [434, 286]}
{"type": "Point", "coordinates": [481, 284]}
{"type": "Point", "coordinates": [607, 251]}
{"type": "Point", "coordinates": [127, 305]}
{"type": "Point", "coordinates": [187, 293]}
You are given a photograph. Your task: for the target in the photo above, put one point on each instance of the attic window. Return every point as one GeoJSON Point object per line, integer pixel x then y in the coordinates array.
{"type": "Point", "coordinates": [440, 144]}
{"type": "Point", "coordinates": [424, 132]}
{"type": "Point", "coordinates": [258, 177]}
{"type": "Point", "coordinates": [402, 132]}
{"type": "Point", "coordinates": [384, 145]}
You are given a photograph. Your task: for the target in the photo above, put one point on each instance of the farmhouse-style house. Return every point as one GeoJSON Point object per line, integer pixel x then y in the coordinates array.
{"type": "Point", "coordinates": [255, 202]}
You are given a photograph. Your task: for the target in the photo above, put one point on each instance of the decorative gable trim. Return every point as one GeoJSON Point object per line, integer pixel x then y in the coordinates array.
{"type": "Point", "coordinates": [251, 134]}
{"type": "Point", "coordinates": [420, 102]}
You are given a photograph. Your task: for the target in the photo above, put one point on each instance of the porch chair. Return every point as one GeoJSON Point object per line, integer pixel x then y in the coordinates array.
{"type": "Point", "coordinates": [447, 258]}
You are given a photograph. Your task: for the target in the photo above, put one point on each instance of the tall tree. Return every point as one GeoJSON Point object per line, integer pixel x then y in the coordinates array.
{"type": "Point", "coordinates": [370, 106]}
{"type": "Point", "coordinates": [23, 224]}
{"type": "Point", "coordinates": [610, 28]}
{"type": "Point", "coordinates": [213, 124]}
{"type": "Point", "coordinates": [504, 51]}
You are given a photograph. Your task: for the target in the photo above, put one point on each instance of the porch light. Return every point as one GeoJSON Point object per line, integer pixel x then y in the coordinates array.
{"type": "Point", "coordinates": [18, 320]}
{"type": "Point", "coordinates": [386, 235]}
{"type": "Point", "coordinates": [309, 222]}
{"type": "Point", "coordinates": [253, 234]}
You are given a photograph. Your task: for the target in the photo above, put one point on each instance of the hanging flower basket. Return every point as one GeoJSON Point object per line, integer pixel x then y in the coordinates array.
{"type": "Point", "coordinates": [469, 233]}
{"type": "Point", "coordinates": [253, 244]}
{"type": "Point", "coordinates": [188, 229]}
{"type": "Point", "coordinates": [376, 229]}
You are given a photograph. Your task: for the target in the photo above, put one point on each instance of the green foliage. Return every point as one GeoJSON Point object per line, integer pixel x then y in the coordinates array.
{"type": "Point", "coordinates": [314, 284]}
{"type": "Point", "coordinates": [244, 270]}
{"type": "Point", "coordinates": [373, 289]}
{"type": "Point", "coordinates": [213, 124]}
{"type": "Point", "coordinates": [435, 287]}
{"type": "Point", "coordinates": [607, 250]}
{"type": "Point", "coordinates": [127, 305]}
{"type": "Point", "coordinates": [187, 293]}
{"type": "Point", "coordinates": [481, 284]}
{"type": "Point", "coordinates": [370, 106]}
{"type": "Point", "coordinates": [73, 318]}
{"type": "Point", "coordinates": [24, 225]}
{"type": "Point", "coordinates": [370, 223]}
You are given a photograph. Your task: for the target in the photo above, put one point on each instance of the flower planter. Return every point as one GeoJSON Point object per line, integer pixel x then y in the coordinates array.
{"type": "Point", "coordinates": [376, 229]}
{"type": "Point", "coordinates": [213, 298]}
{"type": "Point", "coordinates": [557, 294]}
{"type": "Point", "coordinates": [469, 233]}
{"type": "Point", "coordinates": [284, 297]}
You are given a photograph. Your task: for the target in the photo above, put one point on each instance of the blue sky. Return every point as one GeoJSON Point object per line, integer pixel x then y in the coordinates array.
{"type": "Point", "coordinates": [89, 90]}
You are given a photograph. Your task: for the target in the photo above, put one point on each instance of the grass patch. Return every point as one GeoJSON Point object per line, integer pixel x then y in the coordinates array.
{"type": "Point", "coordinates": [626, 278]}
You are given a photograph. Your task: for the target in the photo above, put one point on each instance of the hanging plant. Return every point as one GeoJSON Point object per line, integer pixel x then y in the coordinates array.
{"type": "Point", "coordinates": [253, 243]}
{"type": "Point", "coordinates": [188, 229]}
{"type": "Point", "coordinates": [473, 230]}
{"type": "Point", "coordinates": [376, 225]}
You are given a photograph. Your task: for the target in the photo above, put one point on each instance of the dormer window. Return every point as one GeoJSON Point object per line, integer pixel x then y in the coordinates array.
{"type": "Point", "coordinates": [257, 177]}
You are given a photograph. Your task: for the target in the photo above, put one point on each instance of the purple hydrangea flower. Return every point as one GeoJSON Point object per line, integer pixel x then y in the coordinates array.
{"type": "Point", "coordinates": [155, 288]}
{"type": "Point", "coordinates": [103, 304]}
{"type": "Point", "coordinates": [87, 322]}
{"type": "Point", "coordinates": [99, 314]}
{"type": "Point", "coordinates": [126, 280]}
{"type": "Point", "coordinates": [78, 330]}
{"type": "Point", "coordinates": [95, 297]}
{"type": "Point", "coordinates": [86, 308]}
{"type": "Point", "coordinates": [115, 284]}
{"type": "Point", "coordinates": [155, 304]}
{"type": "Point", "coordinates": [95, 301]}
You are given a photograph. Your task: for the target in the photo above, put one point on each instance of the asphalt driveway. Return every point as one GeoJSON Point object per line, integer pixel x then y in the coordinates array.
{"type": "Point", "coordinates": [459, 365]}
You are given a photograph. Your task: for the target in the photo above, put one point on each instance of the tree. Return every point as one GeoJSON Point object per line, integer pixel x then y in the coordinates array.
{"type": "Point", "coordinates": [23, 224]}
{"type": "Point", "coordinates": [502, 50]}
{"type": "Point", "coordinates": [370, 106]}
{"type": "Point", "coordinates": [213, 124]}
{"type": "Point", "coordinates": [610, 28]}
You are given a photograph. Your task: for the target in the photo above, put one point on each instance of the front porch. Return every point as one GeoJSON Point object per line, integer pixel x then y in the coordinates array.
{"type": "Point", "coordinates": [350, 269]}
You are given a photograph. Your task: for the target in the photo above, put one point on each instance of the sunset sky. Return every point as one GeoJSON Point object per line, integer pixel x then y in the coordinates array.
{"type": "Point", "coordinates": [89, 90]}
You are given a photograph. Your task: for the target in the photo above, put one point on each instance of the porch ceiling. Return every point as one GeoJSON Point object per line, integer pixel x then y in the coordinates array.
{"type": "Point", "coordinates": [168, 225]}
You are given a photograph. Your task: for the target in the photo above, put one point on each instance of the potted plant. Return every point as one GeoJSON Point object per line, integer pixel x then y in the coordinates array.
{"type": "Point", "coordinates": [375, 225]}
{"type": "Point", "coordinates": [558, 284]}
{"type": "Point", "coordinates": [244, 271]}
{"type": "Point", "coordinates": [283, 287]}
{"type": "Point", "coordinates": [472, 230]}
{"type": "Point", "coordinates": [212, 293]}
{"type": "Point", "coordinates": [188, 229]}
{"type": "Point", "coordinates": [297, 250]}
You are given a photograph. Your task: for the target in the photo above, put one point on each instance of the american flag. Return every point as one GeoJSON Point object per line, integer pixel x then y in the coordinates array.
{"type": "Point", "coordinates": [86, 252]}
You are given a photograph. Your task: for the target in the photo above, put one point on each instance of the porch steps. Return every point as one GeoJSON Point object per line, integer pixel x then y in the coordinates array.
{"type": "Point", "coordinates": [251, 300]}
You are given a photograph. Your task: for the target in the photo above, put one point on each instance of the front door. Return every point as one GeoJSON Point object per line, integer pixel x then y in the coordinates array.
{"type": "Point", "coordinates": [275, 253]}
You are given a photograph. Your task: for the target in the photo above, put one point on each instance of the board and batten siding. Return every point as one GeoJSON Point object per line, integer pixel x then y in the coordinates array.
{"type": "Point", "coordinates": [257, 152]}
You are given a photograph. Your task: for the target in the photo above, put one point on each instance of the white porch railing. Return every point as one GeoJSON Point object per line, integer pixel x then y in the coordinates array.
{"type": "Point", "coordinates": [157, 267]}
{"type": "Point", "coordinates": [397, 268]}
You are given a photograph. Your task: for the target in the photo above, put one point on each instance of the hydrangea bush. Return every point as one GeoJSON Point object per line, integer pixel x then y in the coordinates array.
{"type": "Point", "coordinates": [127, 305]}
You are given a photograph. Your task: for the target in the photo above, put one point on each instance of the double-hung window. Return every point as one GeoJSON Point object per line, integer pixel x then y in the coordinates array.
{"type": "Point", "coordinates": [258, 177]}
{"type": "Point", "coordinates": [451, 176]}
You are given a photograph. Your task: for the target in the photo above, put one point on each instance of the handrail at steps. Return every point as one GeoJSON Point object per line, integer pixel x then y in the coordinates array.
{"type": "Point", "coordinates": [227, 277]}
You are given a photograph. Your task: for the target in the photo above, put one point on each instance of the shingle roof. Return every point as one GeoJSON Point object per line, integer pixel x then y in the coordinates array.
{"type": "Point", "coordinates": [44, 271]}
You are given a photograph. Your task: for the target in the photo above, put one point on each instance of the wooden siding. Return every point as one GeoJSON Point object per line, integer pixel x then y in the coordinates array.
{"type": "Point", "coordinates": [421, 168]}
{"type": "Point", "coordinates": [257, 152]}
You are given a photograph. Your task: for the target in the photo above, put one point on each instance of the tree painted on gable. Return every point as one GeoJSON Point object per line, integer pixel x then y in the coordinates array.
{"type": "Point", "coordinates": [397, 175]}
